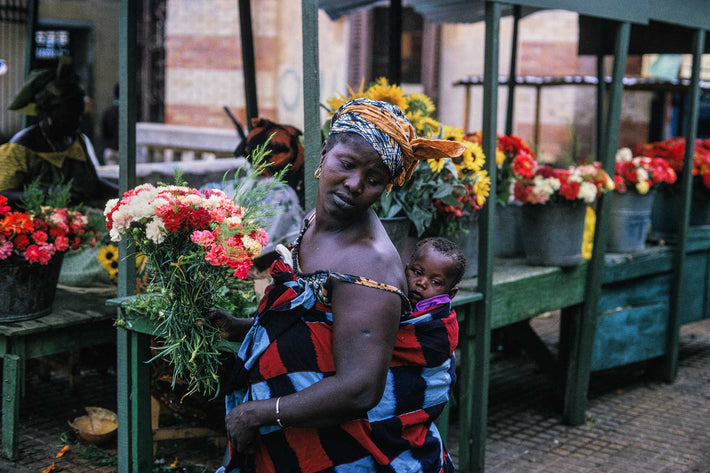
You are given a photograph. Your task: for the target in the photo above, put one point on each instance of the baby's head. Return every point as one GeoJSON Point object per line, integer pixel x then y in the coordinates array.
{"type": "Point", "coordinates": [436, 267]}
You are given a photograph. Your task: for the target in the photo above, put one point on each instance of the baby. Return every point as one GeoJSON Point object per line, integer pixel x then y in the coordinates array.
{"type": "Point", "coordinates": [435, 269]}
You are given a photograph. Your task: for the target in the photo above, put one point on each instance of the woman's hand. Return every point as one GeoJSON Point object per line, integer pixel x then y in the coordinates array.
{"type": "Point", "coordinates": [242, 424]}
{"type": "Point", "coordinates": [229, 325]}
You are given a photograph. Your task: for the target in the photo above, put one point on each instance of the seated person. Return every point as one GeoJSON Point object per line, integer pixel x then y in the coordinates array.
{"type": "Point", "coordinates": [53, 149]}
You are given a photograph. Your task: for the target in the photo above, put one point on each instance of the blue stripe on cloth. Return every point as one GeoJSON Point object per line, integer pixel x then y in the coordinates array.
{"type": "Point", "coordinates": [386, 407]}
{"type": "Point", "coordinates": [306, 298]}
{"type": "Point", "coordinates": [304, 379]}
{"type": "Point", "coordinates": [363, 465]}
{"type": "Point", "coordinates": [422, 318]}
{"type": "Point", "coordinates": [406, 463]}
{"type": "Point", "coordinates": [260, 391]}
{"type": "Point", "coordinates": [438, 384]}
{"type": "Point", "coordinates": [255, 343]}
{"type": "Point", "coordinates": [233, 399]}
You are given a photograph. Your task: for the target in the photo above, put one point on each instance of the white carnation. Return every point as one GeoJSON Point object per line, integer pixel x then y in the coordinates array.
{"type": "Point", "coordinates": [587, 192]}
{"type": "Point", "coordinates": [624, 154]}
{"type": "Point", "coordinates": [155, 230]}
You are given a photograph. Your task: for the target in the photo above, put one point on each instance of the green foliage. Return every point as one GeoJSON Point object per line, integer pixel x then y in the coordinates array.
{"type": "Point", "coordinates": [34, 196]}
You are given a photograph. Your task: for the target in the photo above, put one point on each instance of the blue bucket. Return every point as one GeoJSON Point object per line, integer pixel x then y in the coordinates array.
{"type": "Point", "coordinates": [630, 221]}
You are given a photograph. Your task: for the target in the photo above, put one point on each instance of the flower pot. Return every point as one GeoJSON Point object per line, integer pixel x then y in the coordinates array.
{"type": "Point", "coordinates": [508, 239]}
{"type": "Point", "coordinates": [467, 240]}
{"type": "Point", "coordinates": [397, 229]}
{"type": "Point", "coordinates": [630, 221]}
{"type": "Point", "coordinates": [553, 233]}
{"type": "Point", "coordinates": [667, 208]}
{"type": "Point", "coordinates": [27, 290]}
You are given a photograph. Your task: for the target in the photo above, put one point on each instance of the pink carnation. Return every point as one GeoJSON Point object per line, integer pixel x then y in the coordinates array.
{"type": "Point", "coordinates": [242, 268]}
{"type": "Point", "coordinates": [35, 254]}
{"type": "Point", "coordinates": [61, 243]}
{"type": "Point", "coordinates": [5, 247]}
{"type": "Point", "coordinates": [202, 237]}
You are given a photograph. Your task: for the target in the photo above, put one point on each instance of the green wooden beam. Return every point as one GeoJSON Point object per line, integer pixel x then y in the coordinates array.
{"type": "Point", "coordinates": [30, 28]}
{"type": "Point", "coordinates": [11, 372]}
{"type": "Point", "coordinates": [248, 63]}
{"type": "Point", "coordinates": [669, 367]}
{"type": "Point", "coordinates": [612, 9]}
{"type": "Point", "coordinates": [311, 98]}
{"type": "Point", "coordinates": [141, 431]}
{"type": "Point", "coordinates": [580, 359]}
{"type": "Point", "coordinates": [690, 13]}
{"type": "Point", "coordinates": [512, 72]}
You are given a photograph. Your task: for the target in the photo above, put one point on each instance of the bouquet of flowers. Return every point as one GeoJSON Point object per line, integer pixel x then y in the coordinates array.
{"type": "Point", "coordinates": [640, 173]}
{"type": "Point", "coordinates": [508, 148]}
{"type": "Point", "coordinates": [540, 184]}
{"type": "Point", "coordinates": [441, 192]}
{"type": "Point", "coordinates": [46, 227]}
{"type": "Point", "coordinates": [672, 150]}
{"type": "Point", "coordinates": [196, 244]}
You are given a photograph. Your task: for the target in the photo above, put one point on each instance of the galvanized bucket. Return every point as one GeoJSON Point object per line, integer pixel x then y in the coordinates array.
{"type": "Point", "coordinates": [630, 221]}
{"type": "Point", "coordinates": [467, 240]}
{"type": "Point", "coordinates": [507, 236]}
{"type": "Point", "coordinates": [27, 290]}
{"type": "Point", "coordinates": [553, 233]}
{"type": "Point", "coordinates": [667, 208]}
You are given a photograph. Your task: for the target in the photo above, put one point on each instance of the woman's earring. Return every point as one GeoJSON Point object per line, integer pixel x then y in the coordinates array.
{"type": "Point", "coordinates": [317, 173]}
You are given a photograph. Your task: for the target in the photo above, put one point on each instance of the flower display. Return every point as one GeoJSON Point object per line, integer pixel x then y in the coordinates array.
{"type": "Point", "coordinates": [39, 232]}
{"type": "Point", "coordinates": [513, 154]}
{"type": "Point", "coordinates": [196, 244]}
{"type": "Point", "coordinates": [441, 191]}
{"type": "Point", "coordinates": [640, 173]}
{"type": "Point", "coordinates": [672, 150]}
{"type": "Point", "coordinates": [539, 184]}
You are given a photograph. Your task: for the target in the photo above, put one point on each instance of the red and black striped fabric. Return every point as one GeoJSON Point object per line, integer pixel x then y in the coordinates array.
{"type": "Point", "coordinates": [290, 348]}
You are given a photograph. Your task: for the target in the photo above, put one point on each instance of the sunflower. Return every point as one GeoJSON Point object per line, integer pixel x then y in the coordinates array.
{"type": "Point", "coordinates": [472, 158]}
{"type": "Point", "coordinates": [382, 90]}
{"type": "Point", "coordinates": [482, 187]}
{"type": "Point", "coordinates": [418, 102]}
{"type": "Point", "coordinates": [108, 257]}
{"type": "Point", "coordinates": [437, 165]}
{"type": "Point", "coordinates": [452, 133]}
{"type": "Point", "coordinates": [337, 100]}
{"type": "Point", "coordinates": [429, 127]}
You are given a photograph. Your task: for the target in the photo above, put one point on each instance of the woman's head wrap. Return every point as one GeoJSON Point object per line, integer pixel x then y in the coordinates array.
{"type": "Point", "coordinates": [46, 88]}
{"type": "Point", "coordinates": [386, 128]}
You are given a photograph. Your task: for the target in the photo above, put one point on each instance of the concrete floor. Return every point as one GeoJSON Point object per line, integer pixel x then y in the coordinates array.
{"type": "Point", "coordinates": [634, 423]}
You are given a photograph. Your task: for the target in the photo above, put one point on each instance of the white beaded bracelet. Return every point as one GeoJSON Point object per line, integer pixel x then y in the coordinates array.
{"type": "Point", "coordinates": [278, 417]}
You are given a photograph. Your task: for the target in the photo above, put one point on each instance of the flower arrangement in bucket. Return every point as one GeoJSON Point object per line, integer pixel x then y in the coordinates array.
{"type": "Point", "coordinates": [198, 246]}
{"type": "Point", "coordinates": [555, 202]}
{"type": "Point", "coordinates": [442, 193]}
{"type": "Point", "coordinates": [635, 180]}
{"type": "Point", "coordinates": [668, 204]}
{"type": "Point", "coordinates": [32, 244]}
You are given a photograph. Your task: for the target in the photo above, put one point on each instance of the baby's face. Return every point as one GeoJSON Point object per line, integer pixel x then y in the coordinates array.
{"type": "Point", "coordinates": [429, 274]}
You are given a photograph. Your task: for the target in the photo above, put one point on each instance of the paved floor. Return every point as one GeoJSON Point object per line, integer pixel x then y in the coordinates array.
{"type": "Point", "coordinates": [634, 424]}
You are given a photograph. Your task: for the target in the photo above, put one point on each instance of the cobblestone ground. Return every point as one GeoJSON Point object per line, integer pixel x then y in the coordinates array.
{"type": "Point", "coordinates": [634, 423]}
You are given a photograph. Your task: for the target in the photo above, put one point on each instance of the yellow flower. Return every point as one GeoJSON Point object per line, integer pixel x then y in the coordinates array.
{"type": "Point", "coordinates": [337, 100]}
{"type": "Point", "coordinates": [430, 127]}
{"type": "Point", "coordinates": [107, 257]}
{"type": "Point", "coordinates": [436, 165]}
{"type": "Point", "coordinates": [418, 102]}
{"type": "Point", "coordinates": [500, 157]}
{"type": "Point", "coordinates": [588, 240]}
{"type": "Point", "coordinates": [482, 187]}
{"type": "Point", "coordinates": [642, 187]}
{"type": "Point", "coordinates": [381, 90]}
{"type": "Point", "coordinates": [472, 159]}
{"type": "Point", "coordinates": [452, 133]}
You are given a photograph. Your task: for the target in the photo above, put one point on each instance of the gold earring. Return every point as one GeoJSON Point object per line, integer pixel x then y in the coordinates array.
{"type": "Point", "coordinates": [317, 173]}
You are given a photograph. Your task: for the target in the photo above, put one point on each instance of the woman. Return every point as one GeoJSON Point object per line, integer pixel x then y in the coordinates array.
{"type": "Point", "coordinates": [52, 150]}
{"type": "Point", "coordinates": [333, 373]}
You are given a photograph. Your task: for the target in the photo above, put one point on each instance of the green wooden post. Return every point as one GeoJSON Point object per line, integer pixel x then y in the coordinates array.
{"type": "Point", "coordinates": [669, 367]}
{"type": "Point", "coordinates": [601, 91]}
{"type": "Point", "coordinates": [127, 180]}
{"type": "Point", "coordinates": [248, 64]}
{"type": "Point", "coordinates": [394, 43]}
{"type": "Point", "coordinates": [10, 404]}
{"type": "Point", "coordinates": [513, 72]}
{"type": "Point", "coordinates": [580, 359]}
{"type": "Point", "coordinates": [141, 431]}
{"type": "Point", "coordinates": [467, 339]}
{"type": "Point", "coordinates": [311, 98]}
{"type": "Point", "coordinates": [31, 27]}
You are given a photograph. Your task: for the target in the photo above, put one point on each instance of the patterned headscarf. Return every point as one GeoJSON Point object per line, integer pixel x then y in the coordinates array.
{"type": "Point", "coordinates": [46, 88]}
{"type": "Point", "coordinates": [386, 128]}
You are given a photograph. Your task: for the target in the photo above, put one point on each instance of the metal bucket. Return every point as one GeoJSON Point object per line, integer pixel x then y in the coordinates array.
{"type": "Point", "coordinates": [630, 221]}
{"type": "Point", "coordinates": [667, 208]}
{"type": "Point", "coordinates": [553, 233]}
{"type": "Point", "coordinates": [27, 290]}
{"type": "Point", "coordinates": [467, 240]}
{"type": "Point", "coordinates": [397, 229]}
{"type": "Point", "coordinates": [508, 238]}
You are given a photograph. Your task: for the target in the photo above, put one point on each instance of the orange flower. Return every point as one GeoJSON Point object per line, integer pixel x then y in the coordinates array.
{"type": "Point", "coordinates": [61, 452]}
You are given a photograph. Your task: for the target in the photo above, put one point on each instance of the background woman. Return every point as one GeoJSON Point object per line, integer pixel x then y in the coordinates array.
{"type": "Point", "coordinates": [332, 372]}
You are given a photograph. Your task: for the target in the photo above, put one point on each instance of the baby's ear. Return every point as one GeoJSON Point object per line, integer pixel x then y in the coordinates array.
{"type": "Point", "coordinates": [454, 290]}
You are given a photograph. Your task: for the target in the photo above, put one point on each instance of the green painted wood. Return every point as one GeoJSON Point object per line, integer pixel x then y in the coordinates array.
{"type": "Point", "coordinates": [629, 335]}
{"type": "Point", "coordinates": [694, 298]}
{"type": "Point", "coordinates": [622, 267]}
{"type": "Point", "coordinates": [636, 292]}
{"type": "Point", "coordinates": [248, 63]}
{"type": "Point", "coordinates": [442, 423]}
{"type": "Point", "coordinates": [62, 340]}
{"type": "Point", "coordinates": [141, 431]}
{"type": "Point", "coordinates": [11, 367]}
{"type": "Point", "coordinates": [127, 112]}
{"type": "Point", "coordinates": [579, 366]}
{"type": "Point", "coordinates": [123, 403]}
{"type": "Point", "coordinates": [394, 45]}
{"type": "Point", "coordinates": [669, 366]}
{"type": "Point", "coordinates": [466, 386]}
{"type": "Point", "coordinates": [691, 13]}
{"type": "Point", "coordinates": [612, 9]}
{"type": "Point", "coordinates": [512, 72]}
{"type": "Point", "coordinates": [311, 98]}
